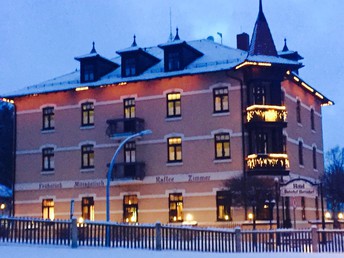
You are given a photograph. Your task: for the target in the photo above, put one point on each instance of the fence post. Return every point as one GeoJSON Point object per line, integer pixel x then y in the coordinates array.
{"type": "Point", "coordinates": [238, 239]}
{"type": "Point", "coordinates": [315, 239]}
{"type": "Point", "coordinates": [74, 233]}
{"type": "Point", "coordinates": [158, 236]}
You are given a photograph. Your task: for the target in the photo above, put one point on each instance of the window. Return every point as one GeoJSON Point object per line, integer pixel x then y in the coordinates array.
{"type": "Point", "coordinates": [87, 208]}
{"type": "Point", "coordinates": [314, 158]}
{"type": "Point", "coordinates": [262, 143]}
{"type": "Point", "coordinates": [222, 146]}
{"type": "Point", "coordinates": [48, 209]}
{"type": "Point", "coordinates": [130, 208]}
{"type": "Point", "coordinates": [312, 120]}
{"type": "Point", "coordinates": [259, 94]}
{"type": "Point", "coordinates": [220, 96]}
{"type": "Point", "coordinates": [298, 111]}
{"type": "Point", "coordinates": [87, 156]}
{"type": "Point", "coordinates": [48, 159]}
{"type": "Point", "coordinates": [130, 152]}
{"type": "Point", "coordinates": [303, 207]}
{"type": "Point", "coordinates": [173, 61]}
{"type": "Point", "coordinates": [88, 73]}
{"type": "Point", "coordinates": [129, 108]}
{"type": "Point", "coordinates": [300, 153]}
{"type": "Point", "coordinates": [130, 67]}
{"type": "Point", "coordinates": [176, 207]}
{"type": "Point", "coordinates": [87, 115]}
{"type": "Point", "coordinates": [175, 149]}
{"type": "Point", "coordinates": [223, 205]}
{"type": "Point", "coordinates": [173, 105]}
{"type": "Point", "coordinates": [48, 118]}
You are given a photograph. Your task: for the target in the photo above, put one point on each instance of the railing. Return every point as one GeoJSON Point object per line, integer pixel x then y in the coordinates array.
{"type": "Point", "coordinates": [272, 163]}
{"type": "Point", "coordinates": [124, 126]}
{"type": "Point", "coordinates": [266, 113]}
{"type": "Point", "coordinates": [133, 170]}
{"type": "Point", "coordinates": [168, 237]}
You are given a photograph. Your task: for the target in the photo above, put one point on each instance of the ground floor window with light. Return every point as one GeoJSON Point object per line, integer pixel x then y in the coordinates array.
{"type": "Point", "coordinates": [223, 205]}
{"type": "Point", "coordinates": [130, 209]}
{"type": "Point", "coordinates": [176, 207]}
{"type": "Point", "coordinates": [87, 208]}
{"type": "Point", "coordinates": [48, 209]}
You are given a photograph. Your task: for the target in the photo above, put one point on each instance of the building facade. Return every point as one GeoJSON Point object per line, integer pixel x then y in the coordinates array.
{"type": "Point", "coordinates": [216, 113]}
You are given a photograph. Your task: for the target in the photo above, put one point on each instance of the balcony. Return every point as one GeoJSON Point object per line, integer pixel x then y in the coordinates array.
{"type": "Point", "coordinates": [124, 126]}
{"type": "Point", "coordinates": [132, 170]}
{"type": "Point", "coordinates": [266, 113]}
{"type": "Point", "coordinates": [268, 164]}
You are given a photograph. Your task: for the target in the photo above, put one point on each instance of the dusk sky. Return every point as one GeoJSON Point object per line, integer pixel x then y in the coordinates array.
{"type": "Point", "coordinates": [40, 38]}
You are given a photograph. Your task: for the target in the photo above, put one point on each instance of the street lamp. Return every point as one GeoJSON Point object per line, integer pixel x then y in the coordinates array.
{"type": "Point", "coordinates": [112, 164]}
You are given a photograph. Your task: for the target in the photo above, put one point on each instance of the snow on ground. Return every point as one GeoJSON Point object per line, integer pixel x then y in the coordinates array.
{"type": "Point", "coordinates": [40, 251]}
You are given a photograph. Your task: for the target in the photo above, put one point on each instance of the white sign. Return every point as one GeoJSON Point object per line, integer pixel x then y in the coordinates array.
{"type": "Point", "coordinates": [299, 188]}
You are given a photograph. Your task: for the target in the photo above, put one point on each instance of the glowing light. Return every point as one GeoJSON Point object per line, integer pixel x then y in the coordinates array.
{"type": "Point", "coordinates": [2, 206]}
{"type": "Point", "coordinates": [122, 83]}
{"type": "Point", "coordinates": [189, 217]}
{"type": "Point", "coordinates": [272, 160]}
{"type": "Point", "coordinates": [81, 220]}
{"type": "Point", "coordinates": [307, 87]}
{"type": "Point", "coordinates": [288, 72]}
{"type": "Point", "coordinates": [81, 88]}
{"type": "Point", "coordinates": [252, 63]}
{"type": "Point", "coordinates": [264, 64]}
{"type": "Point", "coordinates": [8, 100]}
{"type": "Point", "coordinates": [296, 79]}
{"type": "Point", "coordinates": [266, 113]}
{"type": "Point", "coordinates": [226, 217]}
{"type": "Point", "coordinates": [319, 95]}
{"type": "Point", "coordinates": [327, 215]}
{"type": "Point", "coordinates": [250, 216]}
{"type": "Point", "coordinates": [328, 103]}
{"type": "Point", "coordinates": [340, 215]}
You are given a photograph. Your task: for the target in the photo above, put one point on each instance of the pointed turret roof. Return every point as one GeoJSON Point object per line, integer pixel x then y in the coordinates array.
{"type": "Point", "coordinates": [262, 42]}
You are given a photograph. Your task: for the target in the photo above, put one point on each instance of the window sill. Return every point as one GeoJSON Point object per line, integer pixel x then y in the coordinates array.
{"type": "Point", "coordinates": [313, 131]}
{"type": "Point", "coordinates": [315, 170]}
{"type": "Point", "coordinates": [173, 164]}
{"type": "Point", "coordinates": [301, 166]}
{"type": "Point", "coordinates": [87, 170]}
{"type": "Point", "coordinates": [44, 131]}
{"type": "Point", "coordinates": [299, 124]}
{"type": "Point", "coordinates": [86, 127]}
{"type": "Point", "coordinates": [221, 114]}
{"type": "Point", "coordinates": [222, 160]}
{"type": "Point", "coordinates": [47, 172]}
{"type": "Point", "coordinates": [171, 119]}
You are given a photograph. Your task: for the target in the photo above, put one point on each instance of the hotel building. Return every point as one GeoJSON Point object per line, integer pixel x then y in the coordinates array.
{"type": "Point", "coordinates": [215, 113]}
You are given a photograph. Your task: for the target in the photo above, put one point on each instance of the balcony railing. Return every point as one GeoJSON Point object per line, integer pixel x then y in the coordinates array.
{"type": "Point", "coordinates": [266, 113]}
{"type": "Point", "coordinates": [124, 126]}
{"type": "Point", "coordinates": [132, 170]}
{"type": "Point", "coordinates": [268, 164]}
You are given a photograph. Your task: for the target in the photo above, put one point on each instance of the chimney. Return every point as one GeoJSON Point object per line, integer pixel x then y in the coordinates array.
{"type": "Point", "coordinates": [243, 41]}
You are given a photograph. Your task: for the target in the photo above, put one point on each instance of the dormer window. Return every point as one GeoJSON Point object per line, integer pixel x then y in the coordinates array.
{"type": "Point", "coordinates": [173, 61]}
{"type": "Point", "coordinates": [89, 73]}
{"type": "Point", "coordinates": [130, 66]}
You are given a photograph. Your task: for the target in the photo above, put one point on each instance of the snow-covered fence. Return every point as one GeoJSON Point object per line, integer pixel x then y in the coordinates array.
{"type": "Point", "coordinates": [168, 237]}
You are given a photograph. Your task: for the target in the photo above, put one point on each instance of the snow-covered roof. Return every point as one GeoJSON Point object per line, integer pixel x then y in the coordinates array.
{"type": "Point", "coordinates": [216, 57]}
{"type": "Point", "coordinates": [5, 191]}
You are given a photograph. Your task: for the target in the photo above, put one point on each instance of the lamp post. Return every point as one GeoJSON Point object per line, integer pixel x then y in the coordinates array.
{"type": "Point", "coordinates": [112, 164]}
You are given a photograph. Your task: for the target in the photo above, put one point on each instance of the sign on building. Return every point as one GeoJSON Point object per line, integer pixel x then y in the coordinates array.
{"type": "Point", "coordinates": [299, 187]}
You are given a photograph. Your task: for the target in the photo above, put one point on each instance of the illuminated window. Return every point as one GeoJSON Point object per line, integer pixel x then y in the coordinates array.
{"type": "Point", "coordinates": [222, 146]}
{"type": "Point", "coordinates": [175, 149]}
{"type": "Point", "coordinates": [48, 118]}
{"type": "Point", "coordinates": [87, 208]}
{"type": "Point", "coordinates": [300, 153]}
{"type": "Point", "coordinates": [298, 111]}
{"type": "Point", "coordinates": [130, 208]}
{"type": "Point", "coordinates": [314, 158]}
{"type": "Point", "coordinates": [48, 159]}
{"type": "Point", "coordinates": [173, 61]}
{"type": "Point", "coordinates": [48, 209]}
{"type": "Point", "coordinates": [221, 103]}
{"type": "Point", "coordinates": [303, 207]}
{"type": "Point", "coordinates": [130, 66]}
{"type": "Point", "coordinates": [176, 207]}
{"type": "Point", "coordinates": [223, 205]}
{"type": "Point", "coordinates": [129, 108]}
{"type": "Point", "coordinates": [130, 152]}
{"type": "Point", "coordinates": [312, 119]}
{"type": "Point", "coordinates": [87, 115]}
{"type": "Point", "coordinates": [88, 73]}
{"type": "Point", "coordinates": [87, 156]}
{"type": "Point", "coordinates": [173, 105]}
